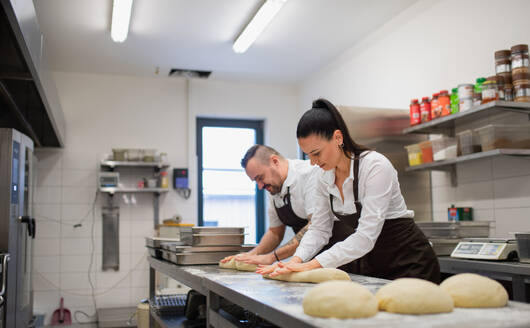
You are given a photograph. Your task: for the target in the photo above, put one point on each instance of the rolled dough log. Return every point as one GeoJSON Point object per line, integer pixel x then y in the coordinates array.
{"type": "Point", "coordinates": [413, 296]}
{"type": "Point", "coordinates": [314, 276]}
{"type": "Point", "coordinates": [228, 265]}
{"type": "Point", "coordinates": [242, 266]}
{"type": "Point", "coordinates": [470, 290]}
{"type": "Point", "coordinates": [340, 299]}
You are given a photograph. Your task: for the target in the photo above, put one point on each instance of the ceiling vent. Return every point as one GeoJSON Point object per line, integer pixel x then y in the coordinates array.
{"type": "Point", "coordinates": [188, 73]}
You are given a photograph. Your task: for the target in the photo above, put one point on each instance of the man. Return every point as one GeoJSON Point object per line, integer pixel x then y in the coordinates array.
{"type": "Point", "coordinates": [290, 184]}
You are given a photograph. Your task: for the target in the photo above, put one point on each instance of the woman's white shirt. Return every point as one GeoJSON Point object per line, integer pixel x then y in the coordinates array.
{"type": "Point", "coordinates": [381, 200]}
{"type": "Point", "coordinates": [300, 181]}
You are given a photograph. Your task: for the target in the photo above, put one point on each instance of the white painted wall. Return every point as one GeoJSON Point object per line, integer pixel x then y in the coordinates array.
{"type": "Point", "coordinates": [435, 45]}
{"type": "Point", "coordinates": [104, 112]}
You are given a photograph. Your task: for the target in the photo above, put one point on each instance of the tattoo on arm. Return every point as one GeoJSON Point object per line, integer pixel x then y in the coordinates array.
{"type": "Point", "coordinates": [301, 233]}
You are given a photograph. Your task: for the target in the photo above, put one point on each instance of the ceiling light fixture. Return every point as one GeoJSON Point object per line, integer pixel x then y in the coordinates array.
{"type": "Point", "coordinates": [259, 22]}
{"type": "Point", "coordinates": [121, 17]}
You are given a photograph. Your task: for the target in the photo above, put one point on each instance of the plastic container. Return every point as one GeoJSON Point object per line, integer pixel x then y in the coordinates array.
{"type": "Point", "coordinates": [489, 91]}
{"type": "Point", "coordinates": [465, 104]}
{"type": "Point", "coordinates": [495, 136]}
{"type": "Point", "coordinates": [444, 148]}
{"type": "Point", "coordinates": [468, 142]}
{"type": "Point", "coordinates": [522, 93]}
{"type": "Point", "coordinates": [465, 90]}
{"type": "Point", "coordinates": [164, 180]}
{"type": "Point", "coordinates": [523, 245]}
{"type": "Point", "coordinates": [426, 151]}
{"type": "Point", "coordinates": [519, 56]}
{"type": "Point", "coordinates": [502, 61]}
{"type": "Point", "coordinates": [134, 155]}
{"type": "Point", "coordinates": [436, 110]}
{"type": "Point", "coordinates": [444, 102]}
{"type": "Point", "coordinates": [425, 110]}
{"type": "Point", "coordinates": [119, 154]}
{"type": "Point", "coordinates": [454, 101]}
{"type": "Point", "coordinates": [148, 155]}
{"type": "Point", "coordinates": [414, 154]}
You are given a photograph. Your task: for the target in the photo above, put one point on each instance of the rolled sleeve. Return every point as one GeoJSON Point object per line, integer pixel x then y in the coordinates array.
{"type": "Point", "coordinates": [274, 219]}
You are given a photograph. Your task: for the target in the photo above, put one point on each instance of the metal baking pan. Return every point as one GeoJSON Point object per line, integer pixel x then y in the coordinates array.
{"type": "Point", "coordinates": [217, 240]}
{"type": "Point", "coordinates": [200, 249]}
{"type": "Point", "coordinates": [154, 252]}
{"type": "Point", "coordinates": [155, 242]}
{"type": "Point", "coordinates": [195, 258]}
{"type": "Point", "coordinates": [218, 230]}
{"type": "Point", "coordinates": [461, 229]}
{"type": "Point", "coordinates": [444, 247]}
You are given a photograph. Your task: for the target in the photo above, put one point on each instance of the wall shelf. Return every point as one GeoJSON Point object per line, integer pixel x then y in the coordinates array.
{"type": "Point", "coordinates": [113, 190]}
{"type": "Point", "coordinates": [446, 125]}
{"type": "Point", "coordinates": [446, 165]}
{"type": "Point", "coordinates": [134, 164]}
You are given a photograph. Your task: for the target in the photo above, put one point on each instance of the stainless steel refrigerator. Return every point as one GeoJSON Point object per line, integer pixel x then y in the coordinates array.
{"type": "Point", "coordinates": [17, 227]}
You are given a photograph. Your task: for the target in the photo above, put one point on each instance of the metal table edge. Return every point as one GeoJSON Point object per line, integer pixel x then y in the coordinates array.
{"type": "Point", "coordinates": [173, 271]}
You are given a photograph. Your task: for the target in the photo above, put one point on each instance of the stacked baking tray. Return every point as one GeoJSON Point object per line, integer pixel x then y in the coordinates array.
{"type": "Point", "coordinates": [444, 236]}
{"type": "Point", "coordinates": [201, 245]}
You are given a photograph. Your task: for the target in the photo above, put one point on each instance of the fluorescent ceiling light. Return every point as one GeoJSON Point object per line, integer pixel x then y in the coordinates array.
{"type": "Point", "coordinates": [121, 16]}
{"type": "Point", "coordinates": [258, 23]}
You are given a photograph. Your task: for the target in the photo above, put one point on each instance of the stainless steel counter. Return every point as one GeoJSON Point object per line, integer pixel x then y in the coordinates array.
{"type": "Point", "coordinates": [281, 302]}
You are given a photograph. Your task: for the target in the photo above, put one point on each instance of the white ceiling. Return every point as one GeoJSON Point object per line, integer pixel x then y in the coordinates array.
{"type": "Point", "coordinates": [198, 34]}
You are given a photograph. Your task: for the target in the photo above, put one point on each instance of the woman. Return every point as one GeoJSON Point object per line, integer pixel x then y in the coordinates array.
{"type": "Point", "coordinates": [360, 188]}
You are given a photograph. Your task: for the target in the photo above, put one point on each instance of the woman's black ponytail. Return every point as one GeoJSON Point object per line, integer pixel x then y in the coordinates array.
{"type": "Point", "coordinates": [323, 119]}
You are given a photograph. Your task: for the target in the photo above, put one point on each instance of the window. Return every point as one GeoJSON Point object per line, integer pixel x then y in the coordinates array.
{"type": "Point", "coordinates": [227, 197]}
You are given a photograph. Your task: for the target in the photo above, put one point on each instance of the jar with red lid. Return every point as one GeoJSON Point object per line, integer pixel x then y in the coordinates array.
{"type": "Point", "coordinates": [425, 110]}
{"type": "Point", "coordinates": [435, 110]}
{"type": "Point", "coordinates": [444, 103]}
{"type": "Point", "coordinates": [415, 117]}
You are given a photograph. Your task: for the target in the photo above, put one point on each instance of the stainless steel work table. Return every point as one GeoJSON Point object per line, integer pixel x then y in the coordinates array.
{"type": "Point", "coordinates": [281, 303]}
{"type": "Point", "coordinates": [516, 272]}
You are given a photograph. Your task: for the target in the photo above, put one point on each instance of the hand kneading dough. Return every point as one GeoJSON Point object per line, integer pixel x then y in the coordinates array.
{"type": "Point", "coordinates": [242, 266]}
{"type": "Point", "coordinates": [413, 296]}
{"type": "Point", "coordinates": [315, 276]}
{"type": "Point", "coordinates": [471, 290]}
{"type": "Point", "coordinates": [340, 299]}
{"type": "Point", "coordinates": [228, 265]}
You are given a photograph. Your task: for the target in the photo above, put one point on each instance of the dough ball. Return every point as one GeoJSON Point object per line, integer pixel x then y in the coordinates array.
{"type": "Point", "coordinates": [228, 265]}
{"type": "Point", "coordinates": [471, 290]}
{"type": "Point", "coordinates": [413, 296]}
{"type": "Point", "coordinates": [340, 299]}
{"type": "Point", "coordinates": [315, 276]}
{"type": "Point", "coordinates": [242, 266]}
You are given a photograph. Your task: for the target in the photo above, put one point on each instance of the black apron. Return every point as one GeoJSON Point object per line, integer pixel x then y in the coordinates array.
{"type": "Point", "coordinates": [288, 216]}
{"type": "Point", "coordinates": [401, 250]}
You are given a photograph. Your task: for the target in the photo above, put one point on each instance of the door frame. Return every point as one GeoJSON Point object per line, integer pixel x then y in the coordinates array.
{"type": "Point", "coordinates": [257, 125]}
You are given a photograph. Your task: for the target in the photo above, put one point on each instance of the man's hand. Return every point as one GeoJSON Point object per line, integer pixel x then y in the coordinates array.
{"type": "Point", "coordinates": [266, 269]}
{"type": "Point", "coordinates": [228, 258]}
{"type": "Point", "coordinates": [256, 259]}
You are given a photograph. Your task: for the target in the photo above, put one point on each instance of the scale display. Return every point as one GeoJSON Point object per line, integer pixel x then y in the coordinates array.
{"type": "Point", "coordinates": [485, 250]}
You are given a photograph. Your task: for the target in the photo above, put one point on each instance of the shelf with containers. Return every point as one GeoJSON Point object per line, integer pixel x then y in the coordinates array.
{"type": "Point", "coordinates": [493, 139]}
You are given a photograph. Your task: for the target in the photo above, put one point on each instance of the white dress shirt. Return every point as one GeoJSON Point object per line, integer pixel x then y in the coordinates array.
{"type": "Point", "coordinates": [301, 177]}
{"type": "Point", "coordinates": [381, 200]}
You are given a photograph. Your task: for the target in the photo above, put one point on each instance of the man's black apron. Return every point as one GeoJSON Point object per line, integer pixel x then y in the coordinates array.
{"type": "Point", "coordinates": [401, 250]}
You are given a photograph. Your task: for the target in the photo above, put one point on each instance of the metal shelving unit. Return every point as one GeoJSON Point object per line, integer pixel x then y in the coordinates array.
{"type": "Point", "coordinates": [113, 190]}
{"type": "Point", "coordinates": [447, 125]}
{"type": "Point", "coordinates": [113, 164]}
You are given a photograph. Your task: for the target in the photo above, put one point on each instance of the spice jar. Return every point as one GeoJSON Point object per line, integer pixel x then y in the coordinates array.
{"type": "Point", "coordinates": [489, 90]}
{"type": "Point", "coordinates": [508, 92]}
{"type": "Point", "coordinates": [521, 78]}
{"type": "Point", "coordinates": [454, 100]}
{"type": "Point", "coordinates": [436, 111]}
{"type": "Point", "coordinates": [465, 104]}
{"type": "Point", "coordinates": [425, 110]}
{"type": "Point", "coordinates": [477, 93]}
{"type": "Point", "coordinates": [444, 102]}
{"type": "Point", "coordinates": [164, 180]}
{"type": "Point", "coordinates": [522, 93]}
{"type": "Point", "coordinates": [502, 61]}
{"type": "Point", "coordinates": [465, 90]}
{"type": "Point", "coordinates": [500, 87]}
{"type": "Point", "coordinates": [519, 56]}
{"type": "Point", "coordinates": [415, 112]}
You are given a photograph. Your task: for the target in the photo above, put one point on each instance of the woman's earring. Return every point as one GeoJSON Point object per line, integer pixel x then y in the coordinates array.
{"type": "Point", "coordinates": [342, 145]}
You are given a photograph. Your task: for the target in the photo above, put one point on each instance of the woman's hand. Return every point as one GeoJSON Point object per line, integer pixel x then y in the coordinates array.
{"type": "Point", "coordinates": [256, 259]}
{"type": "Point", "coordinates": [289, 267]}
{"type": "Point", "coordinates": [266, 269]}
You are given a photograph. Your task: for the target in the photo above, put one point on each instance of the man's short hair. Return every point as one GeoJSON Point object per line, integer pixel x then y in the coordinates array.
{"type": "Point", "coordinates": [261, 152]}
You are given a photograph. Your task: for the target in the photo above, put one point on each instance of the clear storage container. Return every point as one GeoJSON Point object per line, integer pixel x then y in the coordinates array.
{"type": "Point", "coordinates": [443, 148]}
{"type": "Point", "coordinates": [414, 153]}
{"type": "Point", "coordinates": [134, 155]}
{"type": "Point", "coordinates": [468, 142]}
{"type": "Point", "coordinates": [426, 151]}
{"type": "Point", "coordinates": [496, 136]}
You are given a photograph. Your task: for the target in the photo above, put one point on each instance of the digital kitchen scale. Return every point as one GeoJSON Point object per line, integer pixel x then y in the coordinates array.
{"type": "Point", "coordinates": [486, 249]}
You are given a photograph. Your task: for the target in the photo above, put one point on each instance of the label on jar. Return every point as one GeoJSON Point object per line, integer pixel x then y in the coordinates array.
{"type": "Point", "coordinates": [522, 92]}
{"type": "Point", "coordinates": [489, 93]}
{"type": "Point", "coordinates": [465, 91]}
{"type": "Point", "coordinates": [503, 68]}
{"type": "Point", "coordinates": [501, 94]}
{"type": "Point", "coordinates": [519, 61]}
{"type": "Point", "coordinates": [466, 104]}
